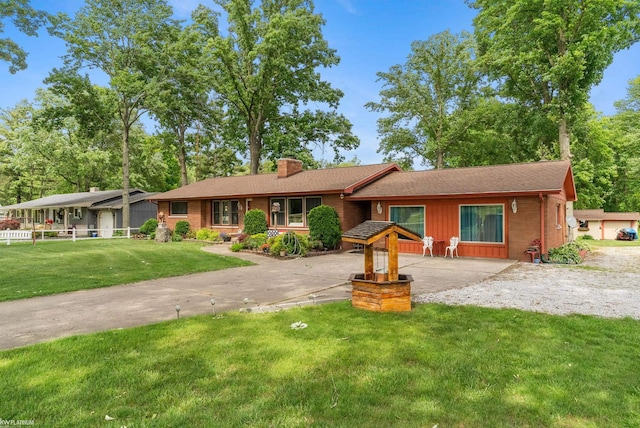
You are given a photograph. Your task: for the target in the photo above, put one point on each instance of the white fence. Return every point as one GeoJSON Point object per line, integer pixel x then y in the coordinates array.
{"type": "Point", "coordinates": [72, 234]}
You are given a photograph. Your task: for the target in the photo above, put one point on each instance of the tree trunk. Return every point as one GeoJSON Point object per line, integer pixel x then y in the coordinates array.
{"type": "Point", "coordinates": [563, 139]}
{"type": "Point", "coordinates": [255, 144]}
{"type": "Point", "coordinates": [182, 156]}
{"type": "Point", "coordinates": [126, 222]}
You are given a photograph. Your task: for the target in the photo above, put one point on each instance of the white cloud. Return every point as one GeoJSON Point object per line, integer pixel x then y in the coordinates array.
{"type": "Point", "coordinates": [348, 6]}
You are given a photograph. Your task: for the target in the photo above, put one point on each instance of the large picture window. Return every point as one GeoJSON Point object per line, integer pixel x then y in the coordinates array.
{"type": "Point", "coordinates": [178, 208]}
{"type": "Point", "coordinates": [482, 223]}
{"type": "Point", "coordinates": [225, 212]}
{"type": "Point", "coordinates": [293, 211]}
{"type": "Point", "coordinates": [409, 217]}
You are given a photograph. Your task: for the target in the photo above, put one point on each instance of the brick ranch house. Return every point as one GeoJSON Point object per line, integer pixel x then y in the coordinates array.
{"type": "Point", "coordinates": [497, 211]}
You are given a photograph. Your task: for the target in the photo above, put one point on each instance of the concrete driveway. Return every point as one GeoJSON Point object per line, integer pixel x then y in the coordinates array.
{"type": "Point", "coordinates": [268, 283]}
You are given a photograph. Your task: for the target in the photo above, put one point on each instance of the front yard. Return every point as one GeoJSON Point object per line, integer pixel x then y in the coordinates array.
{"type": "Point", "coordinates": [437, 365]}
{"type": "Point", "coordinates": [61, 266]}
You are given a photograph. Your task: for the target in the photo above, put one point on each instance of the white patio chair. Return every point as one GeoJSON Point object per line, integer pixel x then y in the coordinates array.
{"type": "Point", "coordinates": [427, 242]}
{"type": "Point", "coordinates": [453, 246]}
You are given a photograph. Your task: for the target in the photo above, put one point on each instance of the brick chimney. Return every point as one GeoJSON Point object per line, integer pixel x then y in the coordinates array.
{"type": "Point", "coordinates": [288, 167]}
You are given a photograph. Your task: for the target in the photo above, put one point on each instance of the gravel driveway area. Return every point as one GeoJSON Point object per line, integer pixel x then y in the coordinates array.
{"type": "Point", "coordinates": [606, 284]}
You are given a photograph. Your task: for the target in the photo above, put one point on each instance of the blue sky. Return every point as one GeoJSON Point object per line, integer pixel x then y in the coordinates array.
{"type": "Point", "coordinates": [369, 36]}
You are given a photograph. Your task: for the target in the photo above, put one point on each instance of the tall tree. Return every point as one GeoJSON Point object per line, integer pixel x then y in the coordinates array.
{"type": "Point", "coordinates": [625, 125]}
{"type": "Point", "coordinates": [428, 98]}
{"type": "Point", "coordinates": [549, 54]}
{"type": "Point", "coordinates": [123, 39]}
{"type": "Point", "coordinates": [27, 20]}
{"type": "Point", "coordinates": [265, 71]}
{"type": "Point", "coordinates": [181, 99]}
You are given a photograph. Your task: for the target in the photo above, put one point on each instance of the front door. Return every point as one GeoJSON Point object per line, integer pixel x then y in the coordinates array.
{"type": "Point", "coordinates": [105, 224]}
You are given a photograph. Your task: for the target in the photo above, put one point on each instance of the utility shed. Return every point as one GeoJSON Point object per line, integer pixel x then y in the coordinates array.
{"type": "Point", "coordinates": [387, 291]}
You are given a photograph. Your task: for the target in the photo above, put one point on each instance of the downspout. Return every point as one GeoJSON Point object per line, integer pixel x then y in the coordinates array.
{"type": "Point", "coordinates": [543, 246]}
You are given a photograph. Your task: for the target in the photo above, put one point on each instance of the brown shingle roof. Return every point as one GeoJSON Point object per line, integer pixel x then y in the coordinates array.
{"type": "Point", "coordinates": [596, 214]}
{"type": "Point", "coordinates": [599, 214]}
{"type": "Point", "coordinates": [544, 177]}
{"type": "Point", "coordinates": [631, 216]}
{"type": "Point", "coordinates": [332, 180]}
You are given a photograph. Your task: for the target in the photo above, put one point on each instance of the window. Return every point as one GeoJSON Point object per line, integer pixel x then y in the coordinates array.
{"type": "Point", "coordinates": [409, 217]}
{"type": "Point", "coordinates": [225, 212]}
{"type": "Point", "coordinates": [311, 203]}
{"type": "Point", "coordinates": [293, 211]}
{"type": "Point", "coordinates": [178, 208]}
{"type": "Point", "coordinates": [77, 213]}
{"type": "Point", "coordinates": [482, 223]}
{"type": "Point", "coordinates": [37, 216]}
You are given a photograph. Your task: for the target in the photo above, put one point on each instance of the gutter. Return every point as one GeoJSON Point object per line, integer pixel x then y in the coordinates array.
{"type": "Point", "coordinates": [543, 245]}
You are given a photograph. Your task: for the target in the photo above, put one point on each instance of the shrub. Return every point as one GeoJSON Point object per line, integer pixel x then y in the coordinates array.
{"type": "Point", "coordinates": [182, 228]}
{"type": "Point", "coordinates": [149, 226]}
{"type": "Point", "coordinates": [256, 241]}
{"type": "Point", "coordinates": [255, 221]}
{"type": "Point", "coordinates": [324, 226]}
{"type": "Point", "coordinates": [207, 234]}
{"type": "Point", "coordinates": [9, 224]}
{"type": "Point", "coordinates": [176, 237]}
{"type": "Point", "coordinates": [291, 242]}
{"type": "Point", "coordinates": [191, 234]}
{"type": "Point", "coordinates": [567, 254]}
{"type": "Point", "coordinates": [237, 246]}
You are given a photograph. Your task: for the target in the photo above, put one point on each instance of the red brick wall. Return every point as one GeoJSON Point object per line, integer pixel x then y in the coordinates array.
{"type": "Point", "coordinates": [524, 225]}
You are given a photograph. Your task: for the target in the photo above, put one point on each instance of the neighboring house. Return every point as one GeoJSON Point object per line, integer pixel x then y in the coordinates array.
{"type": "Point", "coordinates": [601, 225]}
{"type": "Point", "coordinates": [3, 213]}
{"type": "Point", "coordinates": [99, 211]}
{"type": "Point", "coordinates": [497, 211]}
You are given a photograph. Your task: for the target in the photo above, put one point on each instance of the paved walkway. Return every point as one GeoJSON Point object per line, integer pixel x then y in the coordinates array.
{"type": "Point", "coordinates": [269, 282]}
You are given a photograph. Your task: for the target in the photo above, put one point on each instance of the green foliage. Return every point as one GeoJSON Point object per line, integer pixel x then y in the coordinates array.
{"type": "Point", "coordinates": [27, 20]}
{"type": "Point", "coordinates": [182, 227]}
{"type": "Point", "coordinates": [237, 246]}
{"type": "Point", "coordinates": [206, 234]}
{"type": "Point", "coordinates": [292, 243]}
{"type": "Point", "coordinates": [149, 226]}
{"type": "Point", "coordinates": [549, 55]}
{"type": "Point", "coordinates": [269, 61]}
{"type": "Point", "coordinates": [438, 72]}
{"type": "Point", "coordinates": [568, 253]}
{"type": "Point", "coordinates": [255, 221]}
{"type": "Point", "coordinates": [176, 237]}
{"type": "Point", "coordinates": [256, 241]}
{"type": "Point", "coordinates": [324, 226]}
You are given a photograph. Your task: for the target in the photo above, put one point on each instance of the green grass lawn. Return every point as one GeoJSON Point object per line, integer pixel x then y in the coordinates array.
{"type": "Point", "coordinates": [611, 243]}
{"type": "Point", "coordinates": [450, 366]}
{"type": "Point", "coordinates": [60, 266]}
